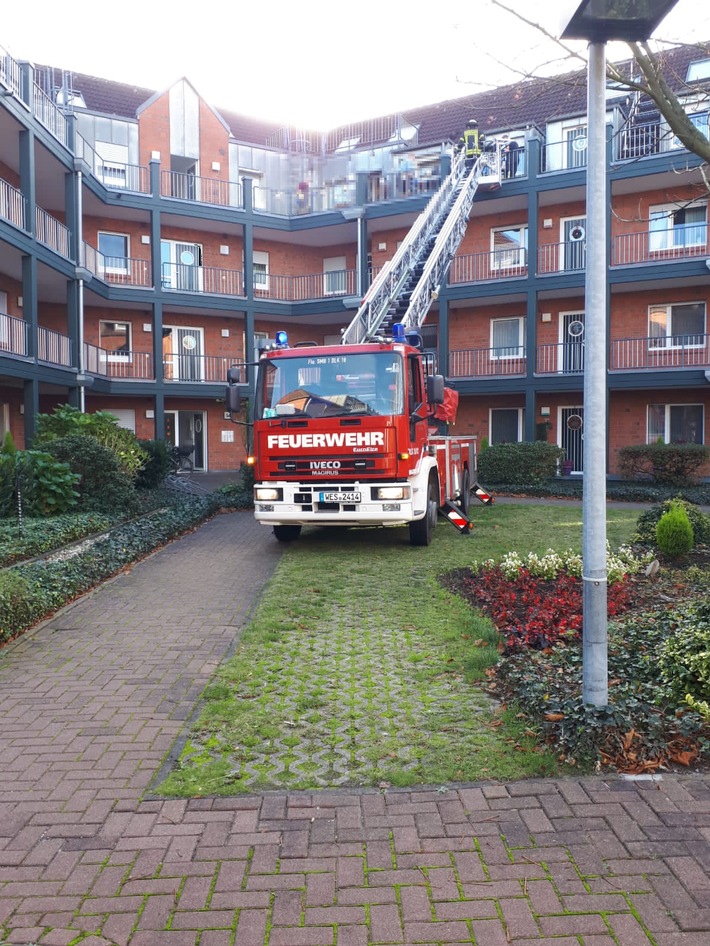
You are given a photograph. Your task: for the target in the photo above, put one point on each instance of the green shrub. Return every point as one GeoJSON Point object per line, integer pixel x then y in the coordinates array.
{"type": "Point", "coordinates": [669, 463]}
{"type": "Point", "coordinates": [157, 465]}
{"type": "Point", "coordinates": [15, 604]}
{"type": "Point", "coordinates": [40, 535]}
{"type": "Point", "coordinates": [68, 421]}
{"type": "Point", "coordinates": [240, 494]}
{"type": "Point", "coordinates": [674, 533]}
{"type": "Point", "coordinates": [45, 484]}
{"type": "Point", "coordinates": [648, 520]}
{"type": "Point", "coordinates": [103, 486]}
{"type": "Point", "coordinates": [684, 657]}
{"type": "Point", "coordinates": [518, 463]}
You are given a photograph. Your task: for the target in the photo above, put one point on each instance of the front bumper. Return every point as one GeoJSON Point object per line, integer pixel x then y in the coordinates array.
{"type": "Point", "coordinates": [301, 505]}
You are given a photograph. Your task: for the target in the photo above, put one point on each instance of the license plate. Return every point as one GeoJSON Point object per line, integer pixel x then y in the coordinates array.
{"type": "Point", "coordinates": [339, 497]}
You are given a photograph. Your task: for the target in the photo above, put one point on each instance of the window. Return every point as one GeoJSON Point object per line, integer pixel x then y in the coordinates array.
{"type": "Point", "coordinates": [576, 146]}
{"type": "Point", "coordinates": [506, 425]}
{"type": "Point", "coordinates": [115, 338]}
{"type": "Point", "coordinates": [699, 69]}
{"type": "Point", "coordinates": [181, 266]}
{"type": "Point", "coordinates": [677, 226]}
{"type": "Point", "coordinates": [113, 248]}
{"type": "Point", "coordinates": [334, 276]}
{"type": "Point", "coordinates": [676, 423]}
{"type": "Point", "coordinates": [111, 163]}
{"type": "Point", "coordinates": [260, 266]}
{"type": "Point", "coordinates": [507, 338]}
{"type": "Point", "coordinates": [676, 326]}
{"type": "Point", "coordinates": [509, 247]}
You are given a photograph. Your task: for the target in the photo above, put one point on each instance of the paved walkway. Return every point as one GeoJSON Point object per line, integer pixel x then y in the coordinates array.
{"type": "Point", "coordinates": [91, 702]}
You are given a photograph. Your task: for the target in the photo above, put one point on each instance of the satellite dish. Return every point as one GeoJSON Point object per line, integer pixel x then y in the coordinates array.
{"type": "Point", "coordinates": [576, 328]}
{"type": "Point", "coordinates": [577, 233]}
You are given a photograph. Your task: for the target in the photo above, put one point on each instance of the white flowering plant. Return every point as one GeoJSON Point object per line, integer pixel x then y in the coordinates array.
{"type": "Point", "coordinates": [619, 564]}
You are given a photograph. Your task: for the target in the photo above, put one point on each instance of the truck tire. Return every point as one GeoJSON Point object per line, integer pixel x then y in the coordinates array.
{"type": "Point", "coordinates": [465, 497]}
{"type": "Point", "coordinates": [422, 530]}
{"type": "Point", "coordinates": [287, 533]}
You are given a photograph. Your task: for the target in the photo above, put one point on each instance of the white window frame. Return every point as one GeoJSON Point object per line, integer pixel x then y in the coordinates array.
{"type": "Point", "coordinates": [499, 261]}
{"type": "Point", "coordinates": [173, 262]}
{"type": "Point", "coordinates": [521, 339]}
{"type": "Point", "coordinates": [667, 339]}
{"type": "Point", "coordinates": [521, 420]}
{"type": "Point", "coordinates": [115, 269]}
{"type": "Point", "coordinates": [669, 232]}
{"type": "Point", "coordinates": [117, 356]}
{"type": "Point", "coordinates": [334, 265]}
{"type": "Point", "coordinates": [260, 258]}
{"type": "Point", "coordinates": [667, 422]}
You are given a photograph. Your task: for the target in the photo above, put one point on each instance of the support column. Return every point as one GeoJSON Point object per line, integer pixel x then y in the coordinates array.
{"type": "Point", "coordinates": [29, 302]}
{"type": "Point", "coordinates": [362, 275]}
{"type": "Point", "coordinates": [27, 178]}
{"type": "Point", "coordinates": [443, 336]}
{"type": "Point", "coordinates": [31, 404]}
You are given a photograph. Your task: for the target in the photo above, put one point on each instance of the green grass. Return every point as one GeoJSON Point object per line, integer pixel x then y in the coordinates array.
{"type": "Point", "coordinates": [360, 669]}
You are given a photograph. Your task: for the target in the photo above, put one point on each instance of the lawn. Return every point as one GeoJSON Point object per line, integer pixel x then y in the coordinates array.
{"type": "Point", "coordinates": [359, 668]}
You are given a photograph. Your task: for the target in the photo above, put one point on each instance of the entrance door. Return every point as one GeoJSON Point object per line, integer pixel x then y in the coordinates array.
{"type": "Point", "coordinates": [188, 427]}
{"type": "Point", "coordinates": [571, 427]}
{"type": "Point", "coordinates": [574, 255]}
{"type": "Point", "coordinates": [571, 360]}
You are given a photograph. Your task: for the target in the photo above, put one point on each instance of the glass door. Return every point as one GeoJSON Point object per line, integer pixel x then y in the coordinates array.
{"type": "Point", "coordinates": [571, 425]}
{"type": "Point", "coordinates": [571, 349]}
{"type": "Point", "coordinates": [574, 239]}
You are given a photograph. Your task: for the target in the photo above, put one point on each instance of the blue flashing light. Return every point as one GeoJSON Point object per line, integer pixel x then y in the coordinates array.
{"type": "Point", "coordinates": [398, 334]}
{"type": "Point", "coordinates": [281, 340]}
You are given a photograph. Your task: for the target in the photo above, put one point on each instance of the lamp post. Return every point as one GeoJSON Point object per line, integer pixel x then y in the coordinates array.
{"type": "Point", "coordinates": [599, 21]}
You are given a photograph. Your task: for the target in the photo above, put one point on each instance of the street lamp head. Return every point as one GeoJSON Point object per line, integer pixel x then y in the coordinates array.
{"type": "Point", "coordinates": [599, 21]}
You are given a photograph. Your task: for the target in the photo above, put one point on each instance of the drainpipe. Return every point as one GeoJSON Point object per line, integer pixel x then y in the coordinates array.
{"type": "Point", "coordinates": [80, 293]}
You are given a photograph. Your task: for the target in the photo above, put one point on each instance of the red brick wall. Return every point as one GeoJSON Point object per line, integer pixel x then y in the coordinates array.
{"type": "Point", "coordinates": [154, 131]}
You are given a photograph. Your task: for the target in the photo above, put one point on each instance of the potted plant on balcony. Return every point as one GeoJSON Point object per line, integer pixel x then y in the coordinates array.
{"type": "Point", "coordinates": [566, 467]}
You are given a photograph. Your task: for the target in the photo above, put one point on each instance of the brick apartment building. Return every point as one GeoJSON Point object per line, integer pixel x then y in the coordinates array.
{"type": "Point", "coordinates": [148, 240]}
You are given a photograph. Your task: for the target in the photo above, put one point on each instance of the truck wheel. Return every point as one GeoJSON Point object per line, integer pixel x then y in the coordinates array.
{"type": "Point", "coordinates": [465, 497]}
{"type": "Point", "coordinates": [287, 533]}
{"type": "Point", "coordinates": [422, 530]}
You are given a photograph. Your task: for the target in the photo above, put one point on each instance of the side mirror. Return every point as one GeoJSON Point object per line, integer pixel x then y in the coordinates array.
{"type": "Point", "coordinates": [435, 388]}
{"type": "Point", "coordinates": [233, 399]}
{"type": "Point", "coordinates": [235, 374]}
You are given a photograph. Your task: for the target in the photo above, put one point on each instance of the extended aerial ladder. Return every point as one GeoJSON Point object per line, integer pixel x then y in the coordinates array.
{"type": "Point", "coordinates": [408, 285]}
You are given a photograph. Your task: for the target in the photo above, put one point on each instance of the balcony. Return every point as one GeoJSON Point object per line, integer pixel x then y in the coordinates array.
{"type": "Point", "coordinates": [117, 271]}
{"type": "Point", "coordinates": [181, 277]}
{"type": "Point", "coordinates": [563, 358]}
{"type": "Point", "coordinates": [643, 140]}
{"type": "Point", "coordinates": [53, 347]}
{"type": "Point", "coordinates": [114, 174]}
{"type": "Point", "coordinates": [47, 114]}
{"type": "Point", "coordinates": [568, 257]}
{"type": "Point", "coordinates": [13, 335]}
{"type": "Point", "coordinates": [203, 369]}
{"type": "Point", "coordinates": [10, 72]}
{"type": "Point", "coordinates": [203, 190]}
{"type": "Point", "coordinates": [481, 267]}
{"type": "Point", "coordinates": [657, 354]}
{"type": "Point", "coordinates": [304, 288]}
{"type": "Point", "coordinates": [51, 233]}
{"type": "Point", "coordinates": [13, 205]}
{"type": "Point", "coordinates": [487, 363]}
{"type": "Point", "coordinates": [121, 365]}
{"type": "Point", "coordinates": [287, 203]}
{"type": "Point", "coordinates": [686, 242]}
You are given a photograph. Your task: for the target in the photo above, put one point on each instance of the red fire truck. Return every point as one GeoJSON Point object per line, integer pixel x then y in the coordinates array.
{"type": "Point", "coordinates": [348, 435]}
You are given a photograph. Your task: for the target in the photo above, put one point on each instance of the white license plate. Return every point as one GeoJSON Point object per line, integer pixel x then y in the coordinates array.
{"type": "Point", "coordinates": [339, 497]}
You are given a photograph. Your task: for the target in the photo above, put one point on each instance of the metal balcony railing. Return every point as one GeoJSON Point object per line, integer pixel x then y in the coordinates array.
{"type": "Point", "coordinates": [683, 242]}
{"type": "Point", "coordinates": [50, 232]}
{"type": "Point", "coordinates": [123, 365]}
{"type": "Point", "coordinates": [569, 154]}
{"type": "Point", "coordinates": [13, 335]}
{"type": "Point", "coordinates": [47, 113]}
{"type": "Point", "coordinates": [203, 190]}
{"type": "Point", "coordinates": [113, 174]}
{"type": "Point", "coordinates": [10, 72]}
{"type": "Point", "coordinates": [302, 288]}
{"type": "Point", "coordinates": [287, 203]}
{"type": "Point", "coordinates": [569, 257]}
{"type": "Point", "coordinates": [400, 185]}
{"type": "Point", "coordinates": [656, 354]}
{"type": "Point", "coordinates": [13, 205]}
{"type": "Point", "coordinates": [179, 277]}
{"type": "Point", "coordinates": [479, 267]}
{"type": "Point", "coordinates": [53, 347]}
{"type": "Point", "coordinates": [642, 140]}
{"type": "Point", "coordinates": [560, 358]}
{"type": "Point", "coordinates": [117, 270]}
{"type": "Point", "coordinates": [206, 369]}
{"type": "Point", "coordinates": [487, 362]}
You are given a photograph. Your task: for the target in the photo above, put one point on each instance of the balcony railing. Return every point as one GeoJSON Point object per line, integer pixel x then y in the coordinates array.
{"type": "Point", "coordinates": [53, 347]}
{"type": "Point", "coordinates": [51, 232]}
{"type": "Point", "coordinates": [13, 335]}
{"type": "Point", "coordinates": [179, 277]}
{"type": "Point", "coordinates": [302, 288]}
{"type": "Point", "coordinates": [659, 247]}
{"type": "Point", "coordinates": [567, 155]}
{"type": "Point", "coordinates": [47, 113]}
{"type": "Point", "coordinates": [655, 354]}
{"type": "Point", "coordinates": [397, 186]}
{"type": "Point", "coordinates": [117, 270]}
{"type": "Point", "coordinates": [487, 362]}
{"type": "Point", "coordinates": [479, 267]}
{"type": "Point", "coordinates": [642, 140]}
{"type": "Point", "coordinates": [286, 203]}
{"type": "Point", "coordinates": [12, 205]}
{"type": "Point", "coordinates": [569, 257]}
{"type": "Point", "coordinates": [114, 174]}
{"type": "Point", "coordinates": [560, 358]}
{"type": "Point", "coordinates": [125, 365]}
{"type": "Point", "coordinates": [207, 369]}
{"type": "Point", "coordinates": [10, 72]}
{"type": "Point", "coordinates": [203, 190]}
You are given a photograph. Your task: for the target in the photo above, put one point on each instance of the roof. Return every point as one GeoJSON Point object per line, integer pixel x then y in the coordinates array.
{"type": "Point", "coordinates": [529, 102]}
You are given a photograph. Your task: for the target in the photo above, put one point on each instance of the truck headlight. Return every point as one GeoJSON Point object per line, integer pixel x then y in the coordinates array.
{"type": "Point", "coordinates": [267, 493]}
{"type": "Point", "coordinates": [392, 492]}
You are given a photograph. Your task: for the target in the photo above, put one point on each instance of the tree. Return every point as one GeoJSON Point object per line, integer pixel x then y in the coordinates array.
{"type": "Point", "coordinates": [649, 78]}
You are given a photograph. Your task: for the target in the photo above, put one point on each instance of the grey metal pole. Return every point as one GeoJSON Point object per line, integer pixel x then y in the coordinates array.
{"type": "Point", "coordinates": [594, 582]}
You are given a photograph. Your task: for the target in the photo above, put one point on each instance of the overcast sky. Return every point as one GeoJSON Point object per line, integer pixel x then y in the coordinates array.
{"type": "Point", "coordinates": [315, 64]}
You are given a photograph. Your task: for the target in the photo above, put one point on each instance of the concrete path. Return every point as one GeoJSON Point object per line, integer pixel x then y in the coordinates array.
{"type": "Point", "coordinates": [91, 702]}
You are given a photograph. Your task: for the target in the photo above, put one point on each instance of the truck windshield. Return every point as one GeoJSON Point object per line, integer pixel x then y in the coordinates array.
{"type": "Point", "coordinates": [331, 385]}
